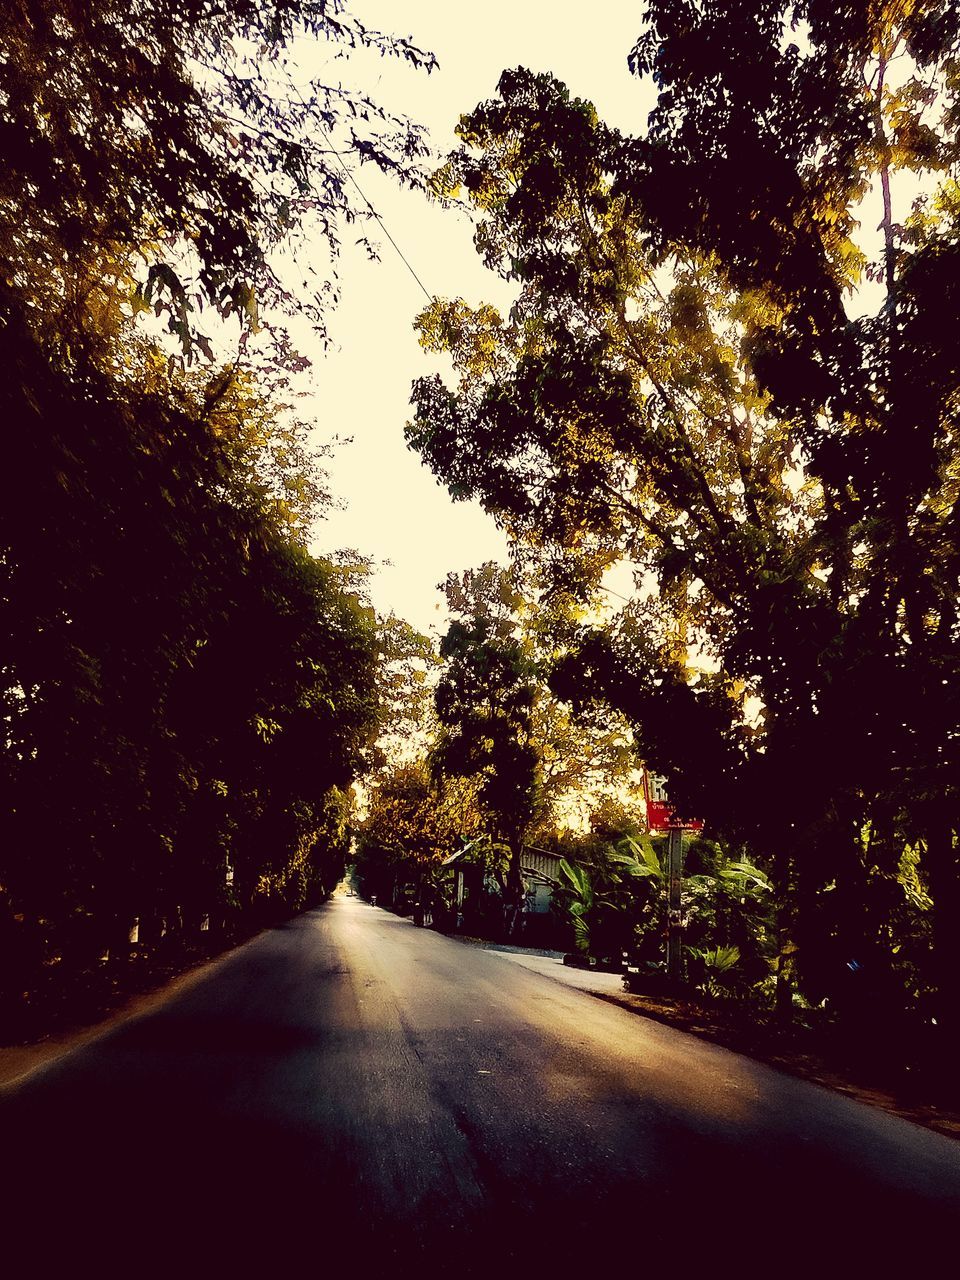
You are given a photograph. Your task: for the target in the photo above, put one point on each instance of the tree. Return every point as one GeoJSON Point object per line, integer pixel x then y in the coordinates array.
{"type": "Point", "coordinates": [272, 464]}
{"type": "Point", "coordinates": [414, 820]}
{"type": "Point", "coordinates": [284, 733]}
{"type": "Point", "coordinates": [582, 758]}
{"type": "Point", "coordinates": [611, 419]}
{"type": "Point", "coordinates": [484, 702]}
{"type": "Point", "coordinates": [188, 131]}
{"type": "Point", "coordinates": [679, 386]}
{"type": "Point", "coordinates": [186, 693]}
{"type": "Point", "coordinates": [183, 689]}
{"type": "Point", "coordinates": [538, 765]}
{"type": "Point", "coordinates": [408, 666]}
{"type": "Point", "coordinates": [801, 139]}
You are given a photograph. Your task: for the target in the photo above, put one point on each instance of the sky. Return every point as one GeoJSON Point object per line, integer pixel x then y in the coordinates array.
{"type": "Point", "coordinates": [394, 509]}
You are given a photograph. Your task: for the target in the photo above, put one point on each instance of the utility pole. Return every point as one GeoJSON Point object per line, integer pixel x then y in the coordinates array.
{"type": "Point", "coordinates": [674, 916]}
{"type": "Point", "coordinates": [661, 818]}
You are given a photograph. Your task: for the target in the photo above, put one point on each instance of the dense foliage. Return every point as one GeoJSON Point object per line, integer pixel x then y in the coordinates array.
{"type": "Point", "coordinates": [186, 694]}
{"type": "Point", "coordinates": [616, 894]}
{"type": "Point", "coordinates": [182, 686]}
{"type": "Point", "coordinates": [193, 132]}
{"type": "Point", "coordinates": [697, 382]}
{"type": "Point", "coordinates": [498, 763]}
{"type": "Point", "coordinates": [415, 821]}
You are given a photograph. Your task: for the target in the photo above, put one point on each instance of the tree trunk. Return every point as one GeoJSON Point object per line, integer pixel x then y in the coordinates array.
{"type": "Point", "coordinates": [514, 890]}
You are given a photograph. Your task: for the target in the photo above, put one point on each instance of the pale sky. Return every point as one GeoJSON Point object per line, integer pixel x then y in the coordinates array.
{"type": "Point", "coordinates": [395, 509]}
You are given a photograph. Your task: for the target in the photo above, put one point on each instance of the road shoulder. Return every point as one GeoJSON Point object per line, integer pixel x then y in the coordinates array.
{"type": "Point", "coordinates": [707, 1025]}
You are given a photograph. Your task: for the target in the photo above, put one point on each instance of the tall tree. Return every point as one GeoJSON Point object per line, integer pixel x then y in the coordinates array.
{"type": "Point", "coordinates": [181, 687]}
{"type": "Point", "coordinates": [484, 705]}
{"type": "Point", "coordinates": [186, 694]}
{"type": "Point", "coordinates": [860, 97]}
{"type": "Point", "coordinates": [679, 386]}
{"type": "Point", "coordinates": [414, 820]}
{"type": "Point", "coordinates": [610, 418]}
{"type": "Point", "coordinates": [500, 723]}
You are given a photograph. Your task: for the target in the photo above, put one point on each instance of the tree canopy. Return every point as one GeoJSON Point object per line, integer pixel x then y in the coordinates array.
{"type": "Point", "coordinates": [191, 132]}
{"type": "Point", "coordinates": [697, 382]}
{"type": "Point", "coordinates": [182, 687]}
{"type": "Point", "coordinates": [187, 694]}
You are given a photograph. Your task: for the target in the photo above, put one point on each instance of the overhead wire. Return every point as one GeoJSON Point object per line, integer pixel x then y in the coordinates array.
{"type": "Point", "coordinates": [373, 212]}
{"type": "Point", "coordinates": [348, 173]}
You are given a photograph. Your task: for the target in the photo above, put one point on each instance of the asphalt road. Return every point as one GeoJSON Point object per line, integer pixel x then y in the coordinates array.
{"type": "Point", "coordinates": [362, 1096]}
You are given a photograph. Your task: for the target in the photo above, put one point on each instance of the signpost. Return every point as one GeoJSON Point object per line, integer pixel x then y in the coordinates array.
{"type": "Point", "coordinates": [661, 818]}
{"type": "Point", "coordinates": [674, 905]}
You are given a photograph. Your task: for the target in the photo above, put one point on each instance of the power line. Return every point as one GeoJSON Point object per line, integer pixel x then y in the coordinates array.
{"type": "Point", "coordinates": [399, 252]}
{"type": "Point", "coordinates": [363, 195]}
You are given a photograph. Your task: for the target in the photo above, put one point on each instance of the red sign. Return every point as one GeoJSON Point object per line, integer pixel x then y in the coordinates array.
{"type": "Point", "coordinates": [660, 818]}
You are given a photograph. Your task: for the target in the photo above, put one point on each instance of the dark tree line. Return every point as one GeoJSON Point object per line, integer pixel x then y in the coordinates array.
{"type": "Point", "coordinates": [183, 687]}
{"type": "Point", "coordinates": [186, 694]}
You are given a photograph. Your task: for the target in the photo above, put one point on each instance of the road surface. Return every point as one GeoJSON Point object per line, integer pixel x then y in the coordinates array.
{"type": "Point", "coordinates": [351, 1091]}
